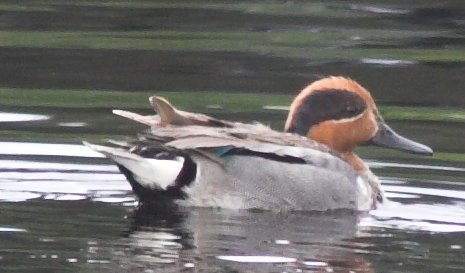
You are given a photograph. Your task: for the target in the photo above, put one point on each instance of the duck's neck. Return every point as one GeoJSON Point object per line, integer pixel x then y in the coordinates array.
{"type": "Point", "coordinates": [362, 168]}
{"type": "Point", "coordinates": [355, 161]}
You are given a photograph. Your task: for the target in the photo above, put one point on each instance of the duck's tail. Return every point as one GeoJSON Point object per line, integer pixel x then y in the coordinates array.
{"type": "Point", "coordinates": [148, 169]}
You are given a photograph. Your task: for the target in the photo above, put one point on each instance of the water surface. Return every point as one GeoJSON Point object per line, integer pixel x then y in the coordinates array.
{"type": "Point", "coordinates": [66, 64]}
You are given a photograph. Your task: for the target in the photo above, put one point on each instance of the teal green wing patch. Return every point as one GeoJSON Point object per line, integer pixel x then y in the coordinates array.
{"type": "Point", "coordinates": [222, 151]}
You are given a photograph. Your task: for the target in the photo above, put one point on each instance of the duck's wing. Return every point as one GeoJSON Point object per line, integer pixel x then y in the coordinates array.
{"type": "Point", "coordinates": [242, 138]}
{"type": "Point", "coordinates": [192, 129]}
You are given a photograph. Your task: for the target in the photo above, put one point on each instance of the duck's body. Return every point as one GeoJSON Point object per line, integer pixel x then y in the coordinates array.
{"type": "Point", "coordinates": [197, 160]}
{"type": "Point", "coordinates": [243, 167]}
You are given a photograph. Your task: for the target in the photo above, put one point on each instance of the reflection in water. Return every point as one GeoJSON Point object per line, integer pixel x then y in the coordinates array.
{"type": "Point", "coordinates": [21, 117]}
{"type": "Point", "coordinates": [57, 236]}
{"type": "Point", "coordinates": [212, 240]}
{"type": "Point", "coordinates": [414, 166]}
{"type": "Point", "coordinates": [258, 259]}
{"type": "Point", "coordinates": [55, 175]}
{"type": "Point", "coordinates": [46, 149]}
{"type": "Point", "coordinates": [419, 217]}
{"type": "Point", "coordinates": [209, 240]}
{"type": "Point", "coordinates": [5, 229]}
{"type": "Point", "coordinates": [72, 124]}
{"type": "Point", "coordinates": [25, 180]}
{"type": "Point", "coordinates": [378, 9]}
{"type": "Point", "coordinates": [388, 62]}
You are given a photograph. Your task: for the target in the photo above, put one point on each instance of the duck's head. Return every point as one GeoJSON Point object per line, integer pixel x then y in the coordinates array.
{"type": "Point", "coordinates": [340, 113]}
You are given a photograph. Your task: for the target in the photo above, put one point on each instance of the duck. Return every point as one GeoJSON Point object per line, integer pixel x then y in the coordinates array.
{"type": "Point", "coordinates": [195, 160]}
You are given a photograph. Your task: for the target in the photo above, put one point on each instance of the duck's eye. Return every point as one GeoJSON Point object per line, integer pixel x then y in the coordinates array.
{"type": "Point", "coordinates": [352, 109]}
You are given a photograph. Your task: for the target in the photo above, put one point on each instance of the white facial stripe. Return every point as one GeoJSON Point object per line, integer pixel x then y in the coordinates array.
{"type": "Point", "coordinates": [349, 119]}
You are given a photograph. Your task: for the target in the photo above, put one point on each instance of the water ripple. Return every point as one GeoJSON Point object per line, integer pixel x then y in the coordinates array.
{"type": "Point", "coordinates": [23, 180]}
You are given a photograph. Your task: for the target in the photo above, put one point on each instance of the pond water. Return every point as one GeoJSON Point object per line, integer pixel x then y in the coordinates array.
{"type": "Point", "coordinates": [65, 64]}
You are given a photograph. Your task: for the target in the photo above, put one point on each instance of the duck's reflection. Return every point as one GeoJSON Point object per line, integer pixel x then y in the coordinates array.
{"type": "Point", "coordinates": [173, 239]}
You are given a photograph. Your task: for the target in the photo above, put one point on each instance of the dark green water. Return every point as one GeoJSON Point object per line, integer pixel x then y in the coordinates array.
{"type": "Point", "coordinates": [65, 64]}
